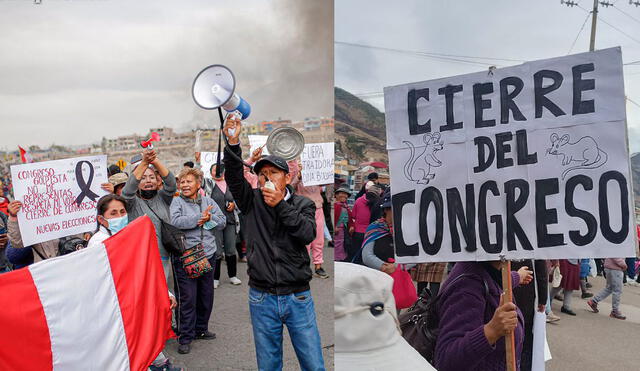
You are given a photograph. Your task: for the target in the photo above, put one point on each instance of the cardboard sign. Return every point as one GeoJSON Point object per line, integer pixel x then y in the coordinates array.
{"type": "Point", "coordinates": [317, 163]}
{"type": "Point", "coordinates": [256, 141]}
{"type": "Point", "coordinates": [59, 198]}
{"type": "Point", "coordinates": [528, 161]}
{"type": "Point", "coordinates": [208, 159]}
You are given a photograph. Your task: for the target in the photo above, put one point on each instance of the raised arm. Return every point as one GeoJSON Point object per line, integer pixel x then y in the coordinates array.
{"type": "Point", "coordinates": [13, 228]}
{"type": "Point", "coordinates": [233, 168]}
{"type": "Point", "coordinates": [169, 188]}
{"type": "Point", "coordinates": [131, 186]}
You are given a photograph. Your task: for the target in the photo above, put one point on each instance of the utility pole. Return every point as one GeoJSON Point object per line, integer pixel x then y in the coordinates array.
{"type": "Point", "coordinates": [594, 19]}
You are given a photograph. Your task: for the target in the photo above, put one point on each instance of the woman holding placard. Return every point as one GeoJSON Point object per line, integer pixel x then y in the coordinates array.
{"type": "Point", "coordinates": [474, 318]}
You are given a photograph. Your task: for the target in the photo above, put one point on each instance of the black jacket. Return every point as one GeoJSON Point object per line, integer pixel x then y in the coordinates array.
{"type": "Point", "coordinates": [276, 237]}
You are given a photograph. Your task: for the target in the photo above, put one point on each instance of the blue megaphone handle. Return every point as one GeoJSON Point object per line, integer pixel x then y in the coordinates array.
{"type": "Point", "coordinates": [244, 108]}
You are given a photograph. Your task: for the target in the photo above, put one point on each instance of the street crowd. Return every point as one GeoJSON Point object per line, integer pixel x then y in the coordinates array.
{"type": "Point", "coordinates": [261, 214]}
{"type": "Point", "coordinates": [453, 316]}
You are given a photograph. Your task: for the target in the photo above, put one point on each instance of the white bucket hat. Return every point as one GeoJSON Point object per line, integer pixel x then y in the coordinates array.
{"type": "Point", "coordinates": [367, 333]}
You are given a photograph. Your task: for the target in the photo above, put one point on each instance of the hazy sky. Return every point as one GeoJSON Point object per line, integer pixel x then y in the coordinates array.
{"type": "Point", "coordinates": [517, 30]}
{"type": "Point", "coordinates": [73, 71]}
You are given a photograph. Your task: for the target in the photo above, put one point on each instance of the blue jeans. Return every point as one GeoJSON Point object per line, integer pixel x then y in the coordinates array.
{"type": "Point", "coordinates": [631, 267]}
{"type": "Point", "coordinates": [268, 314]}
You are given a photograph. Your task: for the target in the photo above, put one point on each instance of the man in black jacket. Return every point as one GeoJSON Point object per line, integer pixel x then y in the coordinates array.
{"type": "Point", "coordinates": [279, 225]}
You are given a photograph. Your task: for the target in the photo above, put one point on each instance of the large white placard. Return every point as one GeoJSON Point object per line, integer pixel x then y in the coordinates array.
{"type": "Point", "coordinates": [528, 161]}
{"type": "Point", "coordinates": [208, 159]}
{"type": "Point", "coordinates": [317, 163]}
{"type": "Point", "coordinates": [58, 197]}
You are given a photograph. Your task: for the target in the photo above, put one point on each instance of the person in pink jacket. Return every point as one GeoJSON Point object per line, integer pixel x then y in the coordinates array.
{"type": "Point", "coordinates": [314, 193]}
{"type": "Point", "coordinates": [362, 215]}
{"type": "Point", "coordinates": [614, 269]}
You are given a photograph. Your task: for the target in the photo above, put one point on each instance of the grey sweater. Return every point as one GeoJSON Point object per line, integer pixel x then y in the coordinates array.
{"type": "Point", "coordinates": [185, 215]}
{"type": "Point", "coordinates": [136, 206]}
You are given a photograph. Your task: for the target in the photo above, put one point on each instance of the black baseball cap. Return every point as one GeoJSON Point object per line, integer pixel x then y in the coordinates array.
{"type": "Point", "coordinates": [276, 161]}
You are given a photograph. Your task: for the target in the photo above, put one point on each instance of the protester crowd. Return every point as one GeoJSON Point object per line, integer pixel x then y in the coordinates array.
{"type": "Point", "coordinates": [261, 215]}
{"type": "Point", "coordinates": [453, 314]}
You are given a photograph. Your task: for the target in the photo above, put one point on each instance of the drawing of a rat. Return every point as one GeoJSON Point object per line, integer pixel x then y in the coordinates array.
{"type": "Point", "coordinates": [584, 151]}
{"type": "Point", "coordinates": [420, 171]}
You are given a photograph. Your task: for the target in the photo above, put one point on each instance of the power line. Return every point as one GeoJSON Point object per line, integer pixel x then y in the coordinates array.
{"type": "Point", "coordinates": [636, 104]}
{"type": "Point", "coordinates": [579, 32]}
{"type": "Point", "coordinates": [627, 14]}
{"type": "Point", "coordinates": [610, 25]}
{"type": "Point", "coordinates": [452, 57]}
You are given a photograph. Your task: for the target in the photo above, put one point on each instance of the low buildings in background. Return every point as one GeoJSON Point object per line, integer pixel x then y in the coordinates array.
{"type": "Point", "coordinates": [175, 147]}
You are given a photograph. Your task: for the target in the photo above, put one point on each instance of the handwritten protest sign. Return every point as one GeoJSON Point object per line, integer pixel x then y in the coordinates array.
{"type": "Point", "coordinates": [58, 197]}
{"type": "Point", "coordinates": [525, 161]}
{"type": "Point", "coordinates": [256, 141]}
{"type": "Point", "coordinates": [317, 163]}
{"type": "Point", "coordinates": [208, 159]}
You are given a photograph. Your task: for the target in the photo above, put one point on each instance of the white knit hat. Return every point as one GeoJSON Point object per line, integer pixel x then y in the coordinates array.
{"type": "Point", "coordinates": [367, 333]}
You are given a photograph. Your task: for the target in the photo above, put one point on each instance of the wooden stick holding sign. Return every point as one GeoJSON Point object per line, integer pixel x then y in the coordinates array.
{"type": "Point", "coordinates": [509, 340]}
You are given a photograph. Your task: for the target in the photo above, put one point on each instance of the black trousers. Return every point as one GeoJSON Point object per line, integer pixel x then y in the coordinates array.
{"type": "Point", "coordinates": [195, 301]}
{"type": "Point", "coordinates": [354, 250]}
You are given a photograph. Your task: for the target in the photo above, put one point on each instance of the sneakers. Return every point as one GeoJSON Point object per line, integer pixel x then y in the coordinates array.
{"type": "Point", "coordinates": [242, 260]}
{"type": "Point", "coordinates": [551, 317]}
{"type": "Point", "coordinates": [235, 281]}
{"type": "Point", "coordinates": [321, 273]}
{"type": "Point", "coordinates": [166, 367]}
{"type": "Point", "coordinates": [184, 348]}
{"type": "Point", "coordinates": [587, 295]}
{"type": "Point", "coordinates": [593, 305]}
{"type": "Point", "coordinates": [617, 315]}
{"type": "Point", "coordinates": [567, 311]}
{"type": "Point", "coordinates": [206, 335]}
{"type": "Point", "coordinates": [633, 283]}
{"type": "Point", "coordinates": [589, 285]}
{"type": "Point", "coordinates": [216, 283]}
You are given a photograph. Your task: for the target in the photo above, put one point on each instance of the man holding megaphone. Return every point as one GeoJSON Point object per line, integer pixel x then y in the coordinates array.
{"type": "Point", "coordinates": [279, 225]}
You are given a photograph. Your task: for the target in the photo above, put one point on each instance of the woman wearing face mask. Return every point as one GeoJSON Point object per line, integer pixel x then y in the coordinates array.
{"type": "Point", "coordinates": [112, 217]}
{"type": "Point", "coordinates": [150, 196]}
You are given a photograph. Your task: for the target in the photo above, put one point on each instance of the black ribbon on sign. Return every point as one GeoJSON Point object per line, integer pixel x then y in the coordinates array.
{"type": "Point", "coordinates": [85, 187]}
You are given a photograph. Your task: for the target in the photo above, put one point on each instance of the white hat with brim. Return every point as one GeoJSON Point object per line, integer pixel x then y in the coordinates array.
{"type": "Point", "coordinates": [367, 334]}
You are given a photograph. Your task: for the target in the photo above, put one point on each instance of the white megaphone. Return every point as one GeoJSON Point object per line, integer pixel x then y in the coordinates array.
{"type": "Point", "coordinates": [214, 87]}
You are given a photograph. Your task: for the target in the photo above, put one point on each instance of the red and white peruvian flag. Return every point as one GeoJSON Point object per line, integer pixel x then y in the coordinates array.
{"type": "Point", "coordinates": [103, 308]}
{"type": "Point", "coordinates": [25, 156]}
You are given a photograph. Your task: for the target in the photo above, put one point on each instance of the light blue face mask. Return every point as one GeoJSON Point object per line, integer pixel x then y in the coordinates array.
{"type": "Point", "coordinates": [116, 224]}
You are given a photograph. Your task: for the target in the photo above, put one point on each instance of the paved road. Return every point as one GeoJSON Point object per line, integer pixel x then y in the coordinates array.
{"type": "Point", "coordinates": [592, 341]}
{"type": "Point", "coordinates": [234, 348]}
